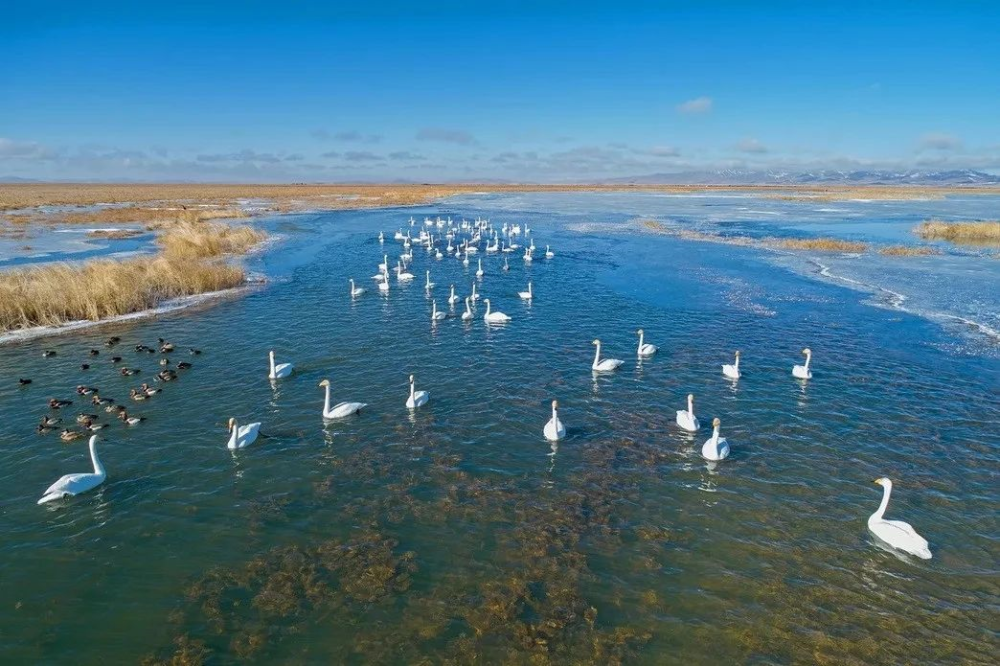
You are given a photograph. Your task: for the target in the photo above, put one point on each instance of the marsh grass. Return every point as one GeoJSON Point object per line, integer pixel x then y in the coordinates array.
{"type": "Point", "coordinates": [907, 251]}
{"type": "Point", "coordinates": [200, 240]}
{"type": "Point", "coordinates": [818, 244]}
{"type": "Point", "coordinates": [960, 232]}
{"type": "Point", "coordinates": [115, 234]}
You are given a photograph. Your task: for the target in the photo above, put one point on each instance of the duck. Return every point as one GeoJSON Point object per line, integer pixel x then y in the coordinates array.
{"type": "Point", "coordinates": [479, 272]}
{"type": "Point", "coordinates": [128, 372]}
{"type": "Point", "coordinates": [165, 347]}
{"type": "Point", "coordinates": [356, 291]}
{"type": "Point", "coordinates": [92, 426]}
{"type": "Point", "coordinates": [428, 285]}
{"type": "Point", "coordinates": [94, 352]}
{"type": "Point", "coordinates": [803, 371]}
{"type": "Point", "coordinates": [116, 359]}
{"type": "Point", "coordinates": [608, 364]}
{"type": "Point", "coordinates": [686, 418]}
{"type": "Point", "coordinates": [80, 418]}
{"type": "Point", "coordinates": [112, 341]}
{"type": "Point", "coordinates": [554, 429]}
{"type": "Point", "coordinates": [48, 353]}
{"type": "Point", "coordinates": [340, 410]}
{"type": "Point", "coordinates": [645, 349]}
{"type": "Point", "coordinates": [56, 403]}
{"type": "Point", "coordinates": [417, 398]}
{"type": "Point", "coordinates": [467, 315]}
{"type": "Point", "coordinates": [279, 370]}
{"type": "Point", "coordinates": [141, 348]}
{"type": "Point", "coordinates": [71, 485]}
{"type": "Point", "coordinates": [85, 366]}
{"type": "Point", "coordinates": [85, 390]}
{"type": "Point", "coordinates": [130, 420]}
{"type": "Point", "coordinates": [242, 436]}
{"type": "Point", "coordinates": [113, 408]}
{"type": "Point", "coordinates": [732, 370]}
{"type": "Point", "coordinates": [526, 295]}
{"type": "Point", "coordinates": [68, 435]}
{"type": "Point", "coordinates": [896, 533]}
{"type": "Point", "coordinates": [549, 253]}
{"type": "Point", "coordinates": [166, 375]}
{"type": "Point", "coordinates": [715, 447]}
{"type": "Point", "coordinates": [494, 317]}
{"type": "Point", "coordinates": [435, 315]}
{"type": "Point", "coordinates": [98, 401]}
{"type": "Point", "coordinates": [50, 421]}
{"type": "Point", "coordinates": [194, 352]}
{"type": "Point", "coordinates": [23, 381]}
{"type": "Point", "coordinates": [164, 361]}
{"type": "Point", "coordinates": [137, 395]}
{"type": "Point", "coordinates": [184, 365]}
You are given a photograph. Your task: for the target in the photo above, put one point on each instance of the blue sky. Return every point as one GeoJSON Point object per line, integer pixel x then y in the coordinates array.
{"type": "Point", "coordinates": [527, 91]}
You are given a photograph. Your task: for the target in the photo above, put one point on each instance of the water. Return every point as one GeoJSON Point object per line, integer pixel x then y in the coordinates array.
{"type": "Point", "coordinates": [451, 533]}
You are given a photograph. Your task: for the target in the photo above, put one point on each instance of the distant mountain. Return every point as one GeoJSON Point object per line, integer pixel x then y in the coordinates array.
{"type": "Point", "coordinates": [17, 179]}
{"type": "Point", "coordinates": [822, 177]}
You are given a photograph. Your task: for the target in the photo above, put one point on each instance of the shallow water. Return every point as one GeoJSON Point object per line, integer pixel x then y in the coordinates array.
{"type": "Point", "coordinates": [452, 533]}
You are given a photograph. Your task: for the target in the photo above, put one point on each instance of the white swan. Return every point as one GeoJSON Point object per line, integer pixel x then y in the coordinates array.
{"type": "Point", "coordinates": [384, 266]}
{"type": "Point", "coordinates": [381, 237]}
{"type": "Point", "coordinates": [803, 371]}
{"type": "Point", "coordinates": [732, 371]}
{"type": "Point", "coordinates": [467, 315]}
{"type": "Point", "coordinates": [417, 398]}
{"type": "Point", "coordinates": [475, 296]}
{"type": "Point", "coordinates": [383, 286]}
{"type": "Point", "coordinates": [896, 533]}
{"type": "Point", "coordinates": [356, 291]}
{"type": "Point", "coordinates": [645, 349]}
{"type": "Point", "coordinates": [435, 315]}
{"type": "Point", "coordinates": [341, 409]}
{"type": "Point", "coordinates": [494, 317]}
{"type": "Point", "coordinates": [686, 418]}
{"type": "Point", "coordinates": [715, 447]}
{"type": "Point", "coordinates": [549, 253]}
{"type": "Point", "coordinates": [506, 266]}
{"type": "Point", "coordinates": [428, 285]}
{"type": "Point", "coordinates": [479, 272]}
{"type": "Point", "coordinates": [402, 275]}
{"type": "Point", "coordinates": [74, 484]}
{"type": "Point", "coordinates": [554, 430]}
{"type": "Point", "coordinates": [527, 256]}
{"type": "Point", "coordinates": [526, 295]}
{"type": "Point", "coordinates": [242, 436]}
{"type": "Point", "coordinates": [465, 261]}
{"type": "Point", "coordinates": [279, 371]}
{"type": "Point", "coordinates": [453, 298]}
{"type": "Point", "coordinates": [608, 364]}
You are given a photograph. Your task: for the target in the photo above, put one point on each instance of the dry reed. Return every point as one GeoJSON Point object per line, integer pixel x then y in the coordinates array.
{"type": "Point", "coordinates": [819, 244]}
{"type": "Point", "coordinates": [968, 232]}
{"type": "Point", "coordinates": [907, 251]}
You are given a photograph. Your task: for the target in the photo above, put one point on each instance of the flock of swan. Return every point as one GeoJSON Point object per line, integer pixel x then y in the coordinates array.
{"type": "Point", "coordinates": [465, 239]}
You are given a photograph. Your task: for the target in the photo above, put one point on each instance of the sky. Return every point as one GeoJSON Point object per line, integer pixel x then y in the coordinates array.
{"type": "Point", "coordinates": [541, 91]}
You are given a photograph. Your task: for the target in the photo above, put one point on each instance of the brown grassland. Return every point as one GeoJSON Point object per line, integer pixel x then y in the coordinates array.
{"type": "Point", "coordinates": [960, 232]}
{"type": "Point", "coordinates": [907, 251]}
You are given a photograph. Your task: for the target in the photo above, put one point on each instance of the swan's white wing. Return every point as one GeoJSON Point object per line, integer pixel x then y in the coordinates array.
{"type": "Point", "coordinates": [247, 435]}
{"type": "Point", "coordinates": [74, 484]}
{"type": "Point", "coordinates": [910, 534]}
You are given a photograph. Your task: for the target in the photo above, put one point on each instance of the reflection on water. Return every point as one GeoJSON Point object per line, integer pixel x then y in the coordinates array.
{"type": "Point", "coordinates": [457, 533]}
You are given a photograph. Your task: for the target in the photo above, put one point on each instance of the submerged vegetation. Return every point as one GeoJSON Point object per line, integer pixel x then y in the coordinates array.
{"type": "Point", "coordinates": [192, 261]}
{"type": "Point", "coordinates": [960, 232]}
{"type": "Point", "coordinates": [820, 244]}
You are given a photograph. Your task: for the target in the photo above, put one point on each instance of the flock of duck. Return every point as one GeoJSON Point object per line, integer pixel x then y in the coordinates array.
{"type": "Point", "coordinates": [462, 240]}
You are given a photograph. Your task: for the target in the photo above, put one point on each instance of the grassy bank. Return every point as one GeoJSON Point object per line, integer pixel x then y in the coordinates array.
{"type": "Point", "coordinates": [960, 232]}
{"type": "Point", "coordinates": [192, 261]}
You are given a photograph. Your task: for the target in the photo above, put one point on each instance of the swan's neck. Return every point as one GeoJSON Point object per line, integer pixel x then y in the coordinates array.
{"type": "Point", "coordinates": [597, 354]}
{"type": "Point", "coordinates": [271, 359]}
{"type": "Point", "coordinates": [234, 438]}
{"type": "Point", "coordinates": [413, 390]}
{"type": "Point", "coordinates": [808, 358]}
{"type": "Point", "coordinates": [326, 399]}
{"type": "Point", "coordinates": [886, 491]}
{"type": "Point", "coordinates": [434, 310]}
{"type": "Point", "coordinates": [691, 406]}
{"type": "Point", "coordinates": [487, 308]}
{"type": "Point", "coordinates": [467, 308]}
{"type": "Point", "coordinates": [98, 467]}
{"type": "Point", "coordinates": [555, 415]}
{"type": "Point", "coordinates": [529, 289]}
{"type": "Point", "coordinates": [736, 363]}
{"type": "Point", "coordinates": [453, 291]}
{"type": "Point", "coordinates": [641, 338]}
{"type": "Point", "coordinates": [715, 436]}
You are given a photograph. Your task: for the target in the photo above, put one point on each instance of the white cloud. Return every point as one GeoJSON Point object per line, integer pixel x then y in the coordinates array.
{"type": "Point", "coordinates": [446, 136]}
{"type": "Point", "coordinates": [939, 141]}
{"type": "Point", "coordinates": [751, 145]}
{"type": "Point", "coordinates": [24, 150]}
{"type": "Point", "coordinates": [698, 105]}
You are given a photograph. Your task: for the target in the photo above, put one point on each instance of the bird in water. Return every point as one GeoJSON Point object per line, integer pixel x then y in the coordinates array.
{"type": "Point", "coordinates": [130, 420]}
{"type": "Point", "coordinates": [128, 372]}
{"type": "Point", "coordinates": [896, 533]}
{"type": "Point", "coordinates": [48, 353]}
{"type": "Point", "coordinates": [74, 484]}
{"type": "Point", "coordinates": [23, 381]}
{"type": "Point", "coordinates": [68, 435]}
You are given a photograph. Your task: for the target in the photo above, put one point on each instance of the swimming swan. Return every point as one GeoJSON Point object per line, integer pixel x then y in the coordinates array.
{"type": "Point", "coordinates": [526, 295]}
{"type": "Point", "coordinates": [74, 484]}
{"type": "Point", "coordinates": [356, 291]}
{"type": "Point", "coordinates": [645, 349]}
{"type": "Point", "coordinates": [417, 398]}
{"type": "Point", "coordinates": [896, 533]}
{"type": "Point", "coordinates": [479, 272]}
{"type": "Point", "coordinates": [732, 371]}
{"type": "Point", "coordinates": [549, 253]}
{"type": "Point", "coordinates": [428, 285]}
{"type": "Point", "coordinates": [453, 298]}
{"type": "Point", "coordinates": [279, 371]}
{"type": "Point", "coordinates": [608, 364]}
{"type": "Point", "coordinates": [686, 418]}
{"type": "Point", "coordinates": [554, 430]}
{"type": "Point", "coordinates": [242, 436]}
{"type": "Point", "coordinates": [341, 409]}
{"type": "Point", "coordinates": [467, 315]}
{"type": "Point", "coordinates": [715, 447]}
{"type": "Point", "coordinates": [494, 317]}
{"type": "Point", "coordinates": [435, 315]}
{"type": "Point", "coordinates": [803, 371]}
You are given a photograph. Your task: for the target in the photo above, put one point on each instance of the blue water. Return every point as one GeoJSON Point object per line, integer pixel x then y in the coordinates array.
{"type": "Point", "coordinates": [451, 533]}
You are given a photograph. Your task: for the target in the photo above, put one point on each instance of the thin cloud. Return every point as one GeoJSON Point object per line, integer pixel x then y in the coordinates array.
{"type": "Point", "coordinates": [751, 145]}
{"type": "Point", "coordinates": [405, 155]}
{"type": "Point", "coordinates": [660, 151]}
{"type": "Point", "coordinates": [356, 136]}
{"type": "Point", "coordinates": [940, 141]}
{"type": "Point", "coordinates": [24, 150]}
{"type": "Point", "coordinates": [362, 156]}
{"type": "Point", "coordinates": [245, 155]}
{"type": "Point", "coordinates": [446, 136]}
{"type": "Point", "coordinates": [696, 106]}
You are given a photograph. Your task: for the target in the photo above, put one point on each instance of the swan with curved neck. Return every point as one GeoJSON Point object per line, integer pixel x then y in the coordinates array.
{"type": "Point", "coordinates": [549, 253]}
{"type": "Point", "coordinates": [402, 275]}
{"type": "Point", "coordinates": [686, 418]}
{"type": "Point", "coordinates": [506, 266]}
{"type": "Point", "coordinates": [732, 370]}
{"type": "Point", "coordinates": [356, 291]}
{"type": "Point", "coordinates": [341, 409]}
{"type": "Point", "coordinates": [428, 285]}
{"type": "Point", "coordinates": [417, 398]}
{"type": "Point", "coordinates": [435, 315]}
{"type": "Point", "coordinates": [467, 315]}
{"type": "Point", "coordinates": [803, 371]}
{"type": "Point", "coordinates": [279, 370]}
{"type": "Point", "coordinates": [475, 296]}
{"type": "Point", "coordinates": [554, 430]}
{"type": "Point", "coordinates": [494, 317]}
{"type": "Point", "coordinates": [896, 533]}
{"type": "Point", "coordinates": [644, 348]}
{"type": "Point", "coordinates": [526, 295]}
{"type": "Point", "coordinates": [715, 447]}
{"type": "Point", "coordinates": [75, 484]}
{"type": "Point", "coordinates": [242, 436]}
{"type": "Point", "coordinates": [453, 298]}
{"type": "Point", "coordinates": [606, 365]}
{"type": "Point", "coordinates": [479, 272]}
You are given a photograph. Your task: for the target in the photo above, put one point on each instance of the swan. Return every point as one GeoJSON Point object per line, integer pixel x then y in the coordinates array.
{"type": "Point", "coordinates": [381, 237]}
{"type": "Point", "coordinates": [715, 447]}
{"type": "Point", "coordinates": [554, 430]}
{"type": "Point", "coordinates": [74, 484]}
{"type": "Point", "coordinates": [384, 266]}
{"type": "Point", "coordinates": [686, 418]}
{"type": "Point", "coordinates": [475, 296]}
{"type": "Point", "coordinates": [506, 266]}
{"type": "Point", "coordinates": [402, 275]}
{"type": "Point", "coordinates": [453, 298]}
{"type": "Point", "coordinates": [340, 410]}
{"type": "Point", "coordinates": [467, 315]}
{"type": "Point", "coordinates": [356, 291]}
{"type": "Point", "coordinates": [428, 285]}
{"type": "Point", "coordinates": [896, 533]}
{"type": "Point", "coordinates": [435, 315]}
{"type": "Point", "coordinates": [438, 255]}
{"type": "Point", "coordinates": [527, 256]}
{"type": "Point", "coordinates": [417, 398]}
{"type": "Point", "coordinates": [242, 436]}
{"type": "Point", "coordinates": [479, 272]}
{"type": "Point", "coordinates": [803, 371]}
{"type": "Point", "coordinates": [465, 261]}
{"type": "Point", "coordinates": [645, 349]}
{"type": "Point", "coordinates": [549, 253]}
{"type": "Point", "coordinates": [608, 364]}
{"type": "Point", "coordinates": [526, 295]}
{"type": "Point", "coordinates": [494, 317]}
{"type": "Point", "coordinates": [732, 371]}
{"type": "Point", "coordinates": [281, 370]}
{"type": "Point", "coordinates": [383, 286]}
